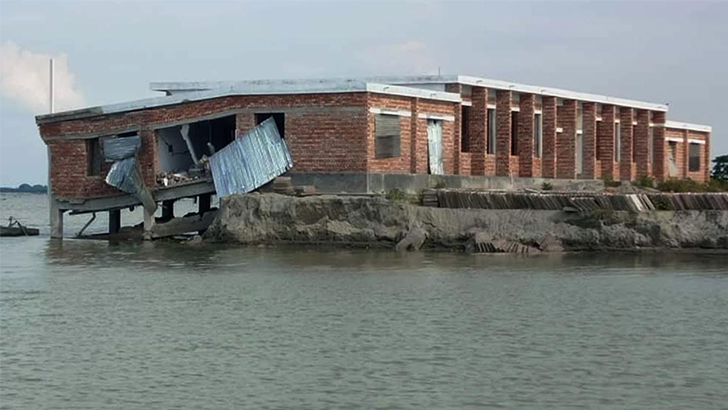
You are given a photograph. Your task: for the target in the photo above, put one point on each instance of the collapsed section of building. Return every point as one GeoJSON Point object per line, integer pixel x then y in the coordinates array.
{"type": "Point", "coordinates": [345, 135]}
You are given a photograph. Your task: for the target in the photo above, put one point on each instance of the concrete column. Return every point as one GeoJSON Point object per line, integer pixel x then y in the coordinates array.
{"type": "Point", "coordinates": [606, 141]}
{"type": "Point", "coordinates": [659, 165]}
{"type": "Point", "coordinates": [478, 129]}
{"type": "Point", "coordinates": [642, 143]}
{"type": "Point", "coordinates": [203, 203]}
{"type": "Point", "coordinates": [625, 158]}
{"type": "Point", "coordinates": [114, 221]}
{"type": "Point", "coordinates": [503, 133]}
{"type": "Point", "coordinates": [589, 140]}
{"type": "Point", "coordinates": [566, 142]}
{"type": "Point", "coordinates": [167, 210]}
{"type": "Point", "coordinates": [548, 161]}
{"type": "Point", "coordinates": [457, 137]}
{"type": "Point", "coordinates": [148, 224]}
{"type": "Point", "coordinates": [525, 136]}
{"type": "Point", "coordinates": [56, 219]}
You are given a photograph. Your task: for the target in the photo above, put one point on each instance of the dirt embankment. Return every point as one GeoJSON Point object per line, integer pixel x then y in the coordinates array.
{"type": "Point", "coordinates": [377, 222]}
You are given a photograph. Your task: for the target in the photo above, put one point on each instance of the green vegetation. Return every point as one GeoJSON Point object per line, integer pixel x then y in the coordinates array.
{"type": "Point", "coordinates": [720, 169]}
{"type": "Point", "coordinates": [609, 181]}
{"type": "Point", "coordinates": [440, 184]}
{"type": "Point", "coordinates": [27, 188]}
{"type": "Point", "coordinates": [644, 182]}
{"type": "Point", "coordinates": [680, 185]}
{"type": "Point", "coordinates": [547, 186]}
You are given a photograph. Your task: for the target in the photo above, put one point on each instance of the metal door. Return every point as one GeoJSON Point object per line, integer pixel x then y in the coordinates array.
{"type": "Point", "coordinates": [434, 147]}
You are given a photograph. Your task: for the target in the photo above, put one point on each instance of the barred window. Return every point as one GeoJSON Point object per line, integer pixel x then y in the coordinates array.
{"type": "Point", "coordinates": [694, 158]}
{"type": "Point", "coordinates": [387, 136]}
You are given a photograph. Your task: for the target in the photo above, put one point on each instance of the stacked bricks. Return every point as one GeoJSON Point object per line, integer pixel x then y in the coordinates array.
{"type": "Point", "coordinates": [478, 128]}
{"type": "Point", "coordinates": [566, 144]}
{"type": "Point", "coordinates": [548, 162]}
{"type": "Point", "coordinates": [503, 133]}
{"type": "Point", "coordinates": [525, 136]}
{"type": "Point", "coordinates": [625, 159]}
{"type": "Point", "coordinates": [456, 88]}
{"type": "Point", "coordinates": [589, 140]}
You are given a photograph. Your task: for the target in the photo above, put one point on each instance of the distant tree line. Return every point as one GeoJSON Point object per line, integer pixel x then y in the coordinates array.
{"type": "Point", "coordinates": [33, 189]}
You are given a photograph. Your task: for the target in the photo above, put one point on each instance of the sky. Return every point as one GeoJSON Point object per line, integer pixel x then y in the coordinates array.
{"type": "Point", "coordinates": [106, 52]}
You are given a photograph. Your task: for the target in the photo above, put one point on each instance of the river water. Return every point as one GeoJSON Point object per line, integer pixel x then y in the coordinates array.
{"type": "Point", "coordinates": [98, 325]}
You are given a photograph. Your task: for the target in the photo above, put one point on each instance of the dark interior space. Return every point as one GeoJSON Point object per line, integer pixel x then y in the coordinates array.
{"type": "Point", "coordinates": [514, 132]}
{"type": "Point", "coordinates": [465, 130]}
{"type": "Point", "coordinates": [278, 117]}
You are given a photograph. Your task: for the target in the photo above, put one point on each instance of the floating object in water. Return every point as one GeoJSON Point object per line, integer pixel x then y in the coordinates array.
{"type": "Point", "coordinates": [15, 228]}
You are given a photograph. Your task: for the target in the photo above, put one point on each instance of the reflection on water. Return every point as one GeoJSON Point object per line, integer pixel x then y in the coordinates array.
{"type": "Point", "coordinates": [93, 324]}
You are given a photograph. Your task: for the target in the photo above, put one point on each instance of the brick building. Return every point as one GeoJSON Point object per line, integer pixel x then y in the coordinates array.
{"type": "Point", "coordinates": [449, 125]}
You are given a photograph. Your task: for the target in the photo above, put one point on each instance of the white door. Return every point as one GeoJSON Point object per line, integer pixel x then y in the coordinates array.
{"type": "Point", "coordinates": [434, 147]}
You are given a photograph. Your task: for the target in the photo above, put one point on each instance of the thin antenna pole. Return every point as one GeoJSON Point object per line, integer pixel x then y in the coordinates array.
{"type": "Point", "coordinates": [51, 95]}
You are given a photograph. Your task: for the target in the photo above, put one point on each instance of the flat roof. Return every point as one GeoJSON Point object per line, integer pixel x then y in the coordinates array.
{"type": "Point", "coordinates": [688, 126]}
{"type": "Point", "coordinates": [426, 79]}
{"type": "Point", "coordinates": [251, 88]}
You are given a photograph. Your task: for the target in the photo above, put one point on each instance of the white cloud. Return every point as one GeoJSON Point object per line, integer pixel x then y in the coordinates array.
{"type": "Point", "coordinates": [24, 79]}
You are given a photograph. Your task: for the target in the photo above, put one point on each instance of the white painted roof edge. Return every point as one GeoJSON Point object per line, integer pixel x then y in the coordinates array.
{"type": "Point", "coordinates": [688, 126]}
{"type": "Point", "coordinates": [250, 89]}
{"type": "Point", "coordinates": [428, 79]}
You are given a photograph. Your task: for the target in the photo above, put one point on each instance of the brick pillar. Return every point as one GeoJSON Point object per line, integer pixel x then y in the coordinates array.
{"type": "Point", "coordinates": [606, 141]}
{"type": "Point", "coordinates": [525, 136]}
{"type": "Point", "coordinates": [589, 140]}
{"type": "Point", "coordinates": [503, 133]}
{"type": "Point", "coordinates": [414, 131]}
{"type": "Point", "coordinates": [244, 122]}
{"type": "Point", "coordinates": [660, 163]}
{"type": "Point", "coordinates": [642, 143]}
{"type": "Point", "coordinates": [478, 128]}
{"type": "Point", "coordinates": [457, 137]}
{"type": "Point", "coordinates": [708, 159]}
{"type": "Point", "coordinates": [548, 111]}
{"type": "Point", "coordinates": [566, 142]}
{"type": "Point", "coordinates": [686, 154]}
{"type": "Point", "coordinates": [625, 158]}
{"type": "Point", "coordinates": [148, 157]}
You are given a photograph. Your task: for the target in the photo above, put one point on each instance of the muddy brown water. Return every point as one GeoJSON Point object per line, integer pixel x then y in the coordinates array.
{"type": "Point", "coordinates": [100, 325]}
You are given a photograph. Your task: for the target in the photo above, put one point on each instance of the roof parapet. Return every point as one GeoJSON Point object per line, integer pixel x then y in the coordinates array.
{"type": "Point", "coordinates": [688, 126]}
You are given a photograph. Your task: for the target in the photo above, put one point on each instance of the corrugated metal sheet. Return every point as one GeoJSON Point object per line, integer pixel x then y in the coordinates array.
{"type": "Point", "coordinates": [125, 176]}
{"type": "Point", "coordinates": [116, 149]}
{"type": "Point", "coordinates": [251, 161]}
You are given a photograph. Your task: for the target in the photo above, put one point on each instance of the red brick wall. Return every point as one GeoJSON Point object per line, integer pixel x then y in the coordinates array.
{"type": "Point", "coordinates": [659, 167]}
{"type": "Point", "coordinates": [605, 143]}
{"type": "Point", "coordinates": [641, 143]}
{"type": "Point", "coordinates": [625, 159]}
{"type": "Point", "coordinates": [478, 130]}
{"type": "Point", "coordinates": [503, 133]}
{"type": "Point", "coordinates": [319, 140]}
{"type": "Point", "coordinates": [566, 142]}
{"type": "Point", "coordinates": [548, 162]}
{"type": "Point", "coordinates": [525, 135]}
{"type": "Point", "coordinates": [589, 140]}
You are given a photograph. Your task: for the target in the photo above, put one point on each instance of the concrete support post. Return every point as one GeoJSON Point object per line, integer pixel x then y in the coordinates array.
{"type": "Point", "coordinates": [478, 130]}
{"type": "Point", "coordinates": [114, 221]}
{"type": "Point", "coordinates": [642, 143]}
{"type": "Point", "coordinates": [503, 133]}
{"type": "Point", "coordinates": [56, 219]}
{"type": "Point", "coordinates": [625, 157]}
{"type": "Point", "coordinates": [204, 202]}
{"type": "Point", "coordinates": [148, 224]}
{"type": "Point", "coordinates": [525, 136]}
{"type": "Point", "coordinates": [589, 140]}
{"type": "Point", "coordinates": [606, 142]}
{"type": "Point", "coordinates": [457, 134]}
{"type": "Point", "coordinates": [548, 161]}
{"type": "Point", "coordinates": [659, 165]}
{"type": "Point", "coordinates": [167, 210]}
{"type": "Point", "coordinates": [566, 142]}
